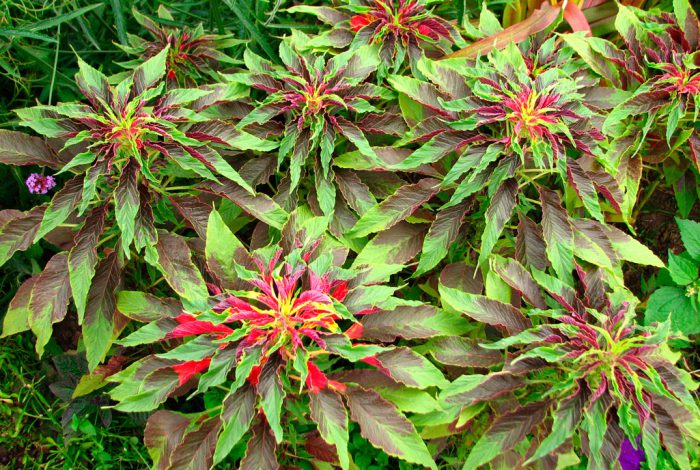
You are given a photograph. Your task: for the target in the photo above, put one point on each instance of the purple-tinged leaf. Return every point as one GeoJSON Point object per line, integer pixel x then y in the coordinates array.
{"type": "Point", "coordinates": [61, 206]}
{"type": "Point", "coordinates": [355, 192]}
{"type": "Point", "coordinates": [442, 233]}
{"type": "Point", "coordinates": [236, 416]}
{"type": "Point", "coordinates": [145, 231]}
{"type": "Point", "coordinates": [145, 308]}
{"type": "Point", "coordinates": [558, 235]}
{"type": "Point", "coordinates": [328, 15]}
{"type": "Point", "coordinates": [126, 204]}
{"type": "Point", "coordinates": [18, 148]}
{"type": "Point", "coordinates": [196, 449]}
{"type": "Point", "coordinates": [149, 73]}
{"type": "Point", "coordinates": [530, 249]}
{"type": "Point", "coordinates": [409, 322]}
{"type": "Point", "coordinates": [261, 453]}
{"type": "Point", "coordinates": [398, 245]}
{"type": "Point", "coordinates": [515, 275]}
{"type": "Point", "coordinates": [566, 419]}
{"type": "Point", "coordinates": [506, 432]}
{"type": "Point", "coordinates": [223, 250]}
{"type": "Point", "coordinates": [497, 215]}
{"type": "Point", "coordinates": [410, 368]}
{"type": "Point", "coordinates": [172, 257]}
{"type": "Point", "coordinates": [328, 412]}
{"type": "Point", "coordinates": [16, 318]}
{"type": "Point", "coordinates": [18, 230]}
{"type": "Point", "coordinates": [395, 208]}
{"type": "Point", "coordinates": [463, 277]}
{"type": "Point", "coordinates": [49, 299]}
{"type": "Point", "coordinates": [258, 170]}
{"type": "Point", "coordinates": [386, 428]}
{"type": "Point", "coordinates": [462, 352]}
{"type": "Point", "coordinates": [583, 185]}
{"type": "Point", "coordinates": [98, 325]}
{"type": "Point", "coordinates": [195, 211]}
{"type": "Point", "coordinates": [468, 390]}
{"type": "Point", "coordinates": [272, 395]}
{"type": "Point", "coordinates": [259, 206]}
{"type": "Point", "coordinates": [83, 258]}
{"type": "Point", "coordinates": [164, 431]}
{"type": "Point", "coordinates": [485, 310]}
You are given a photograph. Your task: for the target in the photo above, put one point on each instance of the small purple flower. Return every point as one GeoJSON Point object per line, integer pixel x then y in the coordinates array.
{"type": "Point", "coordinates": [631, 458]}
{"type": "Point", "coordinates": [40, 184]}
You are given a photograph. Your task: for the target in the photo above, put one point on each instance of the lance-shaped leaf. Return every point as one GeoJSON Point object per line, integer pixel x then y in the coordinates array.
{"type": "Point", "coordinates": [485, 310]}
{"type": "Point", "coordinates": [145, 307]}
{"type": "Point", "coordinates": [566, 418]}
{"type": "Point", "coordinates": [18, 148]}
{"type": "Point", "coordinates": [410, 368]}
{"type": "Point", "coordinates": [582, 183]}
{"type": "Point", "coordinates": [223, 250]}
{"type": "Point", "coordinates": [98, 327]}
{"type": "Point", "coordinates": [470, 389]}
{"type": "Point", "coordinates": [259, 206]}
{"type": "Point", "coordinates": [164, 431]}
{"type": "Point", "coordinates": [410, 322]}
{"type": "Point", "coordinates": [558, 235]}
{"type": "Point", "coordinates": [398, 245]}
{"type": "Point", "coordinates": [62, 204]}
{"type": "Point", "coordinates": [505, 433]}
{"type": "Point", "coordinates": [49, 299]}
{"type": "Point", "coordinates": [442, 233]}
{"type": "Point", "coordinates": [355, 192]}
{"type": "Point", "coordinates": [515, 275]}
{"type": "Point", "coordinates": [196, 449]}
{"type": "Point", "coordinates": [272, 396]}
{"type": "Point", "coordinates": [462, 352]}
{"type": "Point", "coordinates": [328, 412]}
{"type": "Point", "coordinates": [172, 256]}
{"type": "Point", "coordinates": [261, 453]}
{"type": "Point", "coordinates": [237, 414]}
{"type": "Point", "coordinates": [395, 208]}
{"type": "Point", "coordinates": [126, 203]}
{"type": "Point", "coordinates": [18, 230]}
{"type": "Point", "coordinates": [16, 318]}
{"type": "Point", "coordinates": [530, 248]}
{"type": "Point", "coordinates": [498, 213]}
{"type": "Point", "coordinates": [82, 258]}
{"type": "Point", "coordinates": [385, 428]}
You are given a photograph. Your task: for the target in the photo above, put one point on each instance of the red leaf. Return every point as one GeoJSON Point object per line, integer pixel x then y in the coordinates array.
{"type": "Point", "coordinates": [189, 369]}
{"type": "Point", "coordinates": [316, 380]}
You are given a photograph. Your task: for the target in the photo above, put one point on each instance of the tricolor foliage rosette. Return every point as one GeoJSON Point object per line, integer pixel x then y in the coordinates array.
{"type": "Point", "coordinates": [322, 103]}
{"type": "Point", "coordinates": [577, 357]}
{"type": "Point", "coordinates": [290, 314]}
{"type": "Point", "coordinates": [193, 55]}
{"type": "Point", "coordinates": [137, 135]}
{"type": "Point", "coordinates": [404, 29]}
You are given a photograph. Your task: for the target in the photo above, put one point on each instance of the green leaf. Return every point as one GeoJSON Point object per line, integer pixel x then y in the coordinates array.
{"type": "Point", "coordinates": [272, 395]}
{"type": "Point", "coordinates": [497, 215]}
{"type": "Point", "coordinates": [395, 208]}
{"type": "Point", "coordinates": [409, 322]}
{"type": "Point", "coordinates": [259, 206]}
{"type": "Point", "coordinates": [49, 299]}
{"type": "Point", "coordinates": [83, 258]}
{"type": "Point", "coordinates": [566, 419]}
{"type": "Point", "coordinates": [150, 72]}
{"type": "Point", "coordinates": [386, 428]}
{"type": "Point", "coordinates": [442, 233]}
{"type": "Point", "coordinates": [126, 204]}
{"type": "Point", "coordinates": [17, 316]}
{"type": "Point", "coordinates": [690, 234]}
{"type": "Point", "coordinates": [329, 414]}
{"type": "Point", "coordinates": [98, 327]}
{"type": "Point", "coordinates": [672, 302]}
{"type": "Point", "coordinates": [683, 270]}
{"type": "Point", "coordinates": [558, 235]}
{"type": "Point", "coordinates": [410, 368]}
{"type": "Point", "coordinates": [172, 257]}
{"type": "Point", "coordinates": [145, 307]}
{"type": "Point", "coordinates": [485, 310]}
{"type": "Point", "coordinates": [18, 230]}
{"type": "Point", "coordinates": [236, 416]}
{"type": "Point", "coordinates": [223, 249]}
{"type": "Point", "coordinates": [583, 185]}
{"type": "Point", "coordinates": [505, 433]}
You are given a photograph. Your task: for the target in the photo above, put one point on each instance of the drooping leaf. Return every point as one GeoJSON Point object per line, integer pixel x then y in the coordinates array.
{"type": "Point", "coordinates": [83, 258]}
{"type": "Point", "coordinates": [497, 215]}
{"type": "Point", "coordinates": [328, 412]}
{"type": "Point", "coordinates": [443, 231]}
{"type": "Point", "coordinates": [126, 204]}
{"type": "Point", "coordinates": [62, 204]}
{"type": "Point", "coordinates": [164, 431]}
{"type": "Point", "coordinates": [411, 323]}
{"type": "Point", "coordinates": [410, 368]}
{"type": "Point", "coordinates": [236, 417]}
{"type": "Point", "coordinates": [385, 428]}
{"type": "Point", "coordinates": [261, 453]}
{"type": "Point", "coordinates": [195, 450]}
{"type": "Point", "coordinates": [98, 325]}
{"type": "Point", "coordinates": [395, 208]}
{"type": "Point", "coordinates": [558, 235]}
